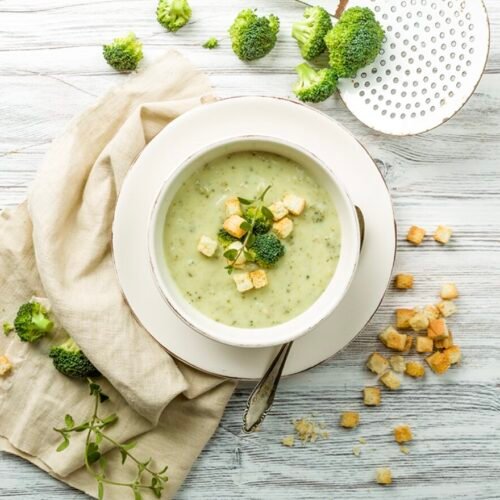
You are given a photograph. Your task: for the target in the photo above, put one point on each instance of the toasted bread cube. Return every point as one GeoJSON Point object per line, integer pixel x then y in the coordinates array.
{"type": "Point", "coordinates": [207, 246]}
{"type": "Point", "coordinates": [454, 354]}
{"type": "Point", "coordinates": [390, 380]}
{"type": "Point", "coordinates": [404, 281]}
{"type": "Point", "coordinates": [403, 318]}
{"type": "Point", "coordinates": [283, 228]}
{"type": "Point", "coordinates": [415, 369]}
{"type": "Point", "coordinates": [443, 234]}
{"type": "Point", "coordinates": [438, 329]}
{"type": "Point", "coordinates": [237, 245]}
{"type": "Point", "coordinates": [5, 366]}
{"type": "Point", "coordinates": [233, 226]}
{"type": "Point", "coordinates": [447, 308]}
{"type": "Point", "coordinates": [402, 433]}
{"type": "Point", "coordinates": [259, 278]}
{"type": "Point", "coordinates": [384, 476]}
{"type": "Point", "coordinates": [377, 363]}
{"type": "Point", "coordinates": [349, 419]}
{"type": "Point", "coordinates": [419, 321]}
{"type": "Point", "coordinates": [232, 206]}
{"type": "Point", "coordinates": [408, 344]}
{"type": "Point", "coordinates": [439, 362]}
{"type": "Point", "coordinates": [398, 363]}
{"type": "Point", "coordinates": [415, 235]}
{"type": "Point", "coordinates": [278, 210]}
{"type": "Point", "coordinates": [288, 441]}
{"type": "Point", "coordinates": [424, 344]}
{"type": "Point", "coordinates": [392, 339]}
{"type": "Point", "coordinates": [371, 396]}
{"type": "Point", "coordinates": [243, 282]}
{"type": "Point", "coordinates": [449, 291]}
{"type": "Point", "coordinates": [295, 204]}
{"type": "Point", "coordinates": [444, 343]}
{"type": "Point", "coordinates": [432, 312]}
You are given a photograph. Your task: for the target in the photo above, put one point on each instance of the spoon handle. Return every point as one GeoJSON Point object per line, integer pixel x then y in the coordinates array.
{"type": "Point", "coordinates": [262, 397]}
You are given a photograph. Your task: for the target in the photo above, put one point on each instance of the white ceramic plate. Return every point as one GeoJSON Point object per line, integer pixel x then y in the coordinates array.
{"type": "Point", "coordinates": [289, 121]}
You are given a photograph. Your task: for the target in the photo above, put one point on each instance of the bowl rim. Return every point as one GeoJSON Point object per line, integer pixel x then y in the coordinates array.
{"type": "Point", "coordinates": [164, 289]}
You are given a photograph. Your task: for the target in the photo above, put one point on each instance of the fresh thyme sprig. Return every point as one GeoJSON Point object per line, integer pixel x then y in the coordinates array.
{"type": "Point", "coordinates": [95, 462]}
{"type": "Point", "coordinates": [248, 225]}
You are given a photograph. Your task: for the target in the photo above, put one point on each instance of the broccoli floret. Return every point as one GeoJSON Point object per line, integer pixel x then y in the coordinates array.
{"type": "Point", "coordinates": [32, 322]}
{"type": "Point", "coordinates": [70, 360]}
{"type": "Point", "coordinates": [173, 14]}
{"type": "Point", "coordinates": [211, 43]}
{"type": "Point", "coordinates": [266, 249]}
{"type": "Point", "coordinates": [262, 223]}
{"type": "Point", "coordinates": [7, 328]}
{"type": "Point", "coordinates": [314, 86]}
{"type": "Point", "coordinates": [354, 41]}
{"type": "Point", "coordinates": [224, 238]}
{"type": "Point", "coordinates": [310, 31]}
{"type": "Point", "coordinates": [252, 36]}
{"type": "Point", "coordinates": [123, 54]}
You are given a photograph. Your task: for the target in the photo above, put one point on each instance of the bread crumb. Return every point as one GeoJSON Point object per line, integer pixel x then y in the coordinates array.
{"type": "Point", "coordinates": [443, 234]}
{"type": "Point", "coordinates": [404, 449]}
{"type": "Point", "coordinates": [349, 419]}
{"type": "Point", "coordinates": [371, 396]}
{"type": "Point", "coordinates": [377, 363]}
{"type": "Point", "coordinates": [384, 476]}
{"type": "Point", "coordinates": [362, 440]}
{"type": "Point", "coordinates": [356, 450]}
{"type": "Point", "coordinates": [415, 235]}
{"type": "Point", "coordinates": [288, 441]}
{"type": "Point", "coordinates": [402, 433]}
{"type": "Point", "coordinates": [309, 431]}
{"type": "Point", "coordinates": [449, 291]}
{"type": "Point", "coordinates": [404, 281]}
{"type": "Point", "coordinates": [415, 369]}
{"type": "Point", "coordinates": [398, 363]}
{"type": "Point", "coordinates": [390, 380]}
{"type": "Point", "coordinates": [403, 318]}
{"type": "Point", "coordinates": [5, 366]}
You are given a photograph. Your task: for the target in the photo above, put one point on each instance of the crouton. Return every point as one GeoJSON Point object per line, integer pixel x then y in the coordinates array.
{"type": "Point", "coordinates": [438, 329]}
{"type": "Point", "coordinates": [240, 261]}
{"type": "Point", "coordinates": [243, 282]}
{"type": "Point", "coordinates": [454, 354]}
{"type": "Point", "coordinates": [424, 344]}
{"type": "Point", "coordinates": [295, 204]}
{"type": "Point", "coordinates": [278, 210]}
{"type": "Point", "coordinates": [207, 246]}
{"type": "Point", "coordinates": [390, 380]}
{"type": "Point", "coordinates": [392, 339]}
{"type": "Point", "coordinates": [432, 312]}
{"type": "Point", "coordinates": [5, 366]}
{"type": "Point", "coordinates": [439, 362]}
{"type": "Point", "coordinates": [449, 291]}
{"type": "Point", "coordinates": [233, 226]}
{"type": "Point", "coordinates": [419, 321]}
{"type": "Point", "coordinates": [415, 369]}
{"type": "Point", "coordinates": [384, 476]}
{"type": "Point", "coordinates": [349, 419]}
{"type": "Point", "coordinates": [371, 396]}
{"type": "Point", "coordinates": [408, 343]}
{"type": "Point", "coordinates": [404, 281]}
{"type": "Point", "coordinates": [447, 308]}
{"type": "Point", "coordinates": [444, 343]}
{"type": "Point", "coordinates": [415, 235]}
{"type": "Point", "coordinates": [288, 441]}
{"type": "Point", "coordinates": [283, 228]}
{"type": "Point", "coordinates": [398, 363]}
{"type": "Point", "coordinates": [377, 363]}
{"type": "Point", "coordinates": [232, 206]}
{"type": "Point", "coordinates": [443, 234]}
{"type": "Point", "coordinates": [259, 278]}
{"type": "Point", "coordinates": [403, 318]}
{"type": "Point", "coordinates": [402, 433]}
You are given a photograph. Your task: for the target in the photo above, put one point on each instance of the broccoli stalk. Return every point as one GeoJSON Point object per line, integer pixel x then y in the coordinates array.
{"type": "Point", "coordinates": [32, 322]}
{"type": "Point", "coordinates": [354, 41]}
{"type": "Point", "coordinates": [266, 250]}
{"type": "Point", "coordinates": [262, 222]}
{"type": "Point", "coordinates": [123, 54]}
{"type": "Point", "coordinates": [7, 328]}
{"type": "Point", "coordinates": [314, 86]}
{"type": "Point", "coordinates": [211, 43]}
{"type": "Point", "coordinates": [70, 360]}
{"type": "Point", "coordinates": [252, 36]}
{"type": "Point", "coordinates": [173, 14]}
{"type": "Point", "coordinates": [311, 30]}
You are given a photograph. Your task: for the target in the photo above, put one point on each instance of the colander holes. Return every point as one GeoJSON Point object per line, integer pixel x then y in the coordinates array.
{"type": "Point", "coordinates": [464, 73]}
{"type": "Point", "coordinates": [393, 57]}
{"type": "Point", "coordinates": [367, 100]}
{"type": "Point", "coordinates": [443, 47]}
{"type": "Point", "coordinates": [452, 55]}
{"type": "Point", "coordinates": [450, 93]}
{"type": "Point", "coordinates": [374, 70]}
{"type": "Point", "coordinates": [393, 115]}
{"type": "Point", "coordinates": [413, 115]}
{"type": "Point", "coordinates": [453, 43]}
{"type": "Point", "coordinates": [393, 45]}
{"type": "Point", "coordinates": [415, 83]}
{"type": "Point", "coordinates": [393, 91]}
{"type": "Point", "coordinates": [453, 78]}
{"type": "Point", "coordinates": [428, 64]}
{"type": "Point", "coordinates": [427, 101]}
{"type": "Point", "coordinates": [434, 70]}
{"type": "Point", "coordinates": [424, 2]}
{"type": "Point", "coordinates": [441, 13]}
{"type": "Point", "coordinates": [363, 75]}
{"type": "Point", "coordinates": [382, 52]}
{"type": "Point", "coordinates": [429, 17]}
{"type": "Point", "coordinates": [441, 58]}
{"type": "Point", "coordinates": [433, 108]}
{"type": "Point", "coordinates": [405, 84]}
{"type": "Point", "coordinates": [467, 16]}
{"type": "Point", "coordinates": [362, 93]}
{"type": "Point", "coordinates": [387, 72]}
{"type": "Point", "coordinates": [419, 13]}
{"type": "Point", "coordinates": [441, 77]}
{"type": "Point", "coordinates": [463, 34]}
{"type": "Point", "coordinates": [407, 72]}
{"type": "Point", "coordinates": [436, 95]}
{"type": "Point", "coordinates": [417, 105]}
{"type": "Point", "coordinates": [458, 68]}
{"type": "Point", "coordinates": [403, 4]}
{"type": "Point", "coordinates": [445, 88]}
{"type": "Point", "coordinates": [389, 28]}
{"type": "Point", "coordinates": [413, 48]}
{"type": "Point", "coordinates": [461, 57]}
{"type": "Point", "coordinates": [379, 79]}
{"type": "Point", "coordinates": [419, 70]}
{"type": "Point", "coordinates": [374, 91]}
{"type": "Point", "coordinates": [471, 27]}
{"type": "Point", "coordinates": [406, 42]}
{"type": "Point", "coordinates": [385, 86]}
{"type": "Point", "coordinates": [433, 39]}
{"type": "Point", "coordinates": [421, 57]}
{"type": "Point", "coordinates": [422, 113]}
{"type": "Point", "coordinates": [411, 60]}
{"type": "Point", "coordinates": [384, 112]}
{"type": "Point", "coordinates": [450, 4]}
{"type": "Point", "coordinates": [415, 37]}
{"type": "Point", "coordinates": [367, 84]}
{"type": "Point", "coordinates": [377, 8]}
{"type": "Point", "coordinates": [397, 34]}
{"type": "Point", "coordinates": [414, 94]}
{"type": "Point", "coordinates": [380, 97]}
{"type": "Point", "coordinates": [468, 63]}
{"type": "Point", "coordinates": [416, 24]}
{"type": "Point", "coordinates": [437, 24]}
{"type": "Point", "coordinates": [460, 23]}
{"type": "Point", "coordinates": [448, 20]}
{"type": "Point", "coordinates": [458, 85]}
{"type": "Point", "coordinates": [452, 31]}
{"type": "Point", "coordinates": [408, 106]}
{"type": "Point", "coordinates": [434, 52]}
{"type": "Point", "coordinates": [442, 102]}
{"type": "Point", "coordinates": [403, 94]}
{"type": "Point", "coordinates": [375, 107]}
{"type": "Point", "coordinates": [408, 15]}
{"type": "Point", "coordinates": [427, 29]}
{"type": "Point", "coordinates": [403, 54]}
{"type": "Point", "coordinates": [356, 85]}
{"type": "Point", "coordinates": [399, 19]}
{"type": "Point", "coordinates": [433, 85]}
{"type": "Point", "coordinates": [398, 105]}
{"type": "Point", "coordinates": [393, 9]}
{"type": "Point", "coordinates": [471, 51]}
{"type": "Point", "coordinates": [403, 115]}
{"type": "Point", "coordinates": [448, 66]}
{"type": "Point", "coordinates": [396, 80]}
{"type": "Point", "coordinates": [426, 79]}
{"type": "Point", "coordinates": [413, 2]}
{"type": "Point", "coordinates": [382, 62]}
{"type": "Point", "coordinates": [388, 102]}
{"type": "Point", "coordinates": [384, 16]}
{"type": "Point", "coordinates": [433, 5]}
{"type": "Point", "coordinates": [464, 45]}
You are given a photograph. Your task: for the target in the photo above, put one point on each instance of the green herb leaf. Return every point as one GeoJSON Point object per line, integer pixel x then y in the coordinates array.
{"type": "Point", "coordinates": [100, 490]}
{"type": "Point", "coordinates": [109, 420]}
{"type": "Point", "coordinates": [124, 455]}
{"type": "Point", "coordinates": [248, 256]}
{"type": "Point", "coordinates": [137, 495]}
{"type": "Point", "coordinates": [245, 201]}
{"type": "Point", "coordinates": [68, 420]}
{"type": "Point", "coordinates": [246, 226]}
{"type": "Point", "coordinates": [81, 427]}
{"type": "Point", "coordinates": [267, 213]}
{"type": "Point", "coordinates": [92, 453]}
{"type": "Point", "coordinates": [64, 444]}
{"type": "Point", "coordinates": [98, 437]}
{"type": "Point", "coordinates": [129, 446]}
{"type": "Point", "coordinates": [103, 397]}
{"type": "Point", "coordinates": [102, 463]}
{"type": "Point", "coordinates": [231, 254]}
{"type": "Point", "coordinates": [250, 240]}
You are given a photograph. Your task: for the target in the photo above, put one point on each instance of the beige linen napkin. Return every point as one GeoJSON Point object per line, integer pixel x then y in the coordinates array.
{"type": "Point", "coordinates": [58, 245]}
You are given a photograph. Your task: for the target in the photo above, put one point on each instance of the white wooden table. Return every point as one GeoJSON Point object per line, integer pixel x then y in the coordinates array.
{"type": "Point", "coordinates": [51, 69]}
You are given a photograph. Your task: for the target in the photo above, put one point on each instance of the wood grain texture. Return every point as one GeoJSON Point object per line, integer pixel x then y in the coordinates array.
{"type": "Point", "coordinates": [51, 68]}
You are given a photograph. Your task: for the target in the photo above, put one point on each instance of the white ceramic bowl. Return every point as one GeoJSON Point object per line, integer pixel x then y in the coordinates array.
{"type": "Point", "coordinates": [320, 309]}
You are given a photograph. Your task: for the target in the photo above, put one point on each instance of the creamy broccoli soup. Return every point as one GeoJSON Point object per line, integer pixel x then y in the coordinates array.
{"type": "Point", "coordinates": [251, 239]}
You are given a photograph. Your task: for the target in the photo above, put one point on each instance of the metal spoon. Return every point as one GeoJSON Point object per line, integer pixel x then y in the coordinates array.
{"type": "Point", "coordinates": [262, 397]}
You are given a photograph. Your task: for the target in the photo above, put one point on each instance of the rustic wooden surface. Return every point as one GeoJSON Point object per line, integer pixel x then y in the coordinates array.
{"type": "Point", "coordinates": [51, 68]}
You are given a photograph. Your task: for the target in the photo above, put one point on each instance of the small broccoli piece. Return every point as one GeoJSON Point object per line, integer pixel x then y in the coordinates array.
{"type": "Point", "coordinates": [354, 41]}
{"type": "Point", "coordinates": [224, 238]}
{"type": "Point", "coordinates": [211, 43]}
{"type": "Point", "coordinates": [173, 14]}
{"type": "Point", "coordinates": [32, 322]}
{"type": "Point", "coordinates": [266, 249]}
{"type": "Point", "coordinates": [262, 223]}
{"type": "Point", "coordinates": [70, 360]}
{"type": "Point", "coordinates": [314, 86]}
{"type": "Point", "coordinates": [310, 32]}
{"type": "Point", "coordinates": [252, 36]}
{"type": "Point", "coordinates": [7, 328]}
{"type": "Point", "coordinates": [123, 54]}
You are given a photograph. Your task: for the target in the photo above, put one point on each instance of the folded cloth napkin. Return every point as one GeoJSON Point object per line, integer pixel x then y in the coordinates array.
{"type": "Point", "coordinates": [58, 245]}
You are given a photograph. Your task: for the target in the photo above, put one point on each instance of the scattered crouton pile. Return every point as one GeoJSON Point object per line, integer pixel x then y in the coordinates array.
{"type": "Point", "coordinates": [5, 366]}
{"type": "Point", "coordinates": [307, 431]}
{"type": "Point", "coordinates": [416, 235]}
